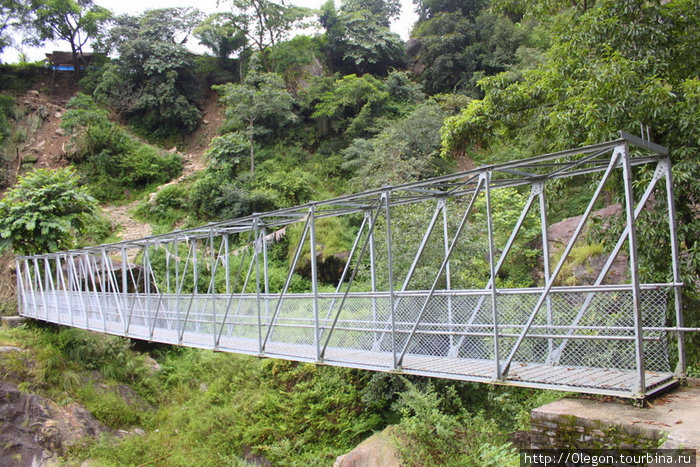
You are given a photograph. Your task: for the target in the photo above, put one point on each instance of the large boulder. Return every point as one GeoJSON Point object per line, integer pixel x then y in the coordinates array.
{"type": "Point", "coordinates": [379, 450]}
{"type": "Point", "coordinates": [35, 430]}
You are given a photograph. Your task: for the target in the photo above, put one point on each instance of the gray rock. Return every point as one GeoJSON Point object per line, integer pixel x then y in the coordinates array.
{"type": "Point", "coordinates": [35, 430]}
{"type": "Point", "coordinates": [13, 321]}
{"type": "Point", "coordinates": [379, 450]}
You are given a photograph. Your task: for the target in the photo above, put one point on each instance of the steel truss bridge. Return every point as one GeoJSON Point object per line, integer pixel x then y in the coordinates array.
{"type": "Point", "coordinates": [404, 302]}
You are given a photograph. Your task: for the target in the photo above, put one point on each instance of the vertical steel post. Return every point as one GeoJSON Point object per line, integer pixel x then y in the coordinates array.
{"type": "Point", "coordinates": [70, 264]}
{"type": "Point", "coordinates": [227, 265]}
{"type": "Point", "coordinates": [195, 286]}
{"type": "Point", "coordinates": [21, 300]}
{"type": "Point", "coordinates": [373, 276]}
{"type": "Point", "coordinates": [66, 292]}
{"type": "Point", "coordinates": [40, 286]}
{"type": "Point", "coordinates": [48, 282]}
{"type": "Point", "coordinates": [167, 268]}
{"type": "Point", "coordinates": [125, 286]}
{"type": "Point", "coordinates": [257, 281]}
{"type": "Point", "coordinates": [492, 270]}
{"type": "Point", "coordinates": [266, 276]}
{"type": "Point", "coordinates": [178, 287]}
{"type": "Point", "coordinates": [390, 276]}
{"type": "Point", "coordinates": [147, 284]}
{"type": "Point", "coordinates": [539, 188]}
{"type": "Point", "coordinates": [448, 278]}
{"type": "Point", "coordinates": [677, 296]}
{"type": "Point", "coordinates": [314, 279]}
{"type": "Point", "coordinates": [634, 268]}
{"type": "Point", "coordinates": [212, 284]}
{"type": "Point", "coordinates": [28, 277]}
{"type": "Point", "coordinates": [59, 278]}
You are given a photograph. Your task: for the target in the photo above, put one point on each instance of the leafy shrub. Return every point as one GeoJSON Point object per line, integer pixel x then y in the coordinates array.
{"type": "Point", "coordinates": [109, 407]}
{"type": "Point", "coordinates": [169, 205]}
{"type": "Point", "coordinates": [216, 196]}
{"type": "Point", "coordinates": [111, 174]}
{"type": "Point", "coordinates": [91, 130]}
{"type": "Point", "coordinates": [44, 212]}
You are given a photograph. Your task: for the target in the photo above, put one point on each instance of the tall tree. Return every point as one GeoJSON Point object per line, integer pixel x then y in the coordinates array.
{"type": "Point", "coordinates": [152, 82]}
{"type": "Point", "coordinates": [359, 41]}
{"type": "Point", "coordinates": [74, 21]}
{"type": "Point", "coordinates": [266, 22]}
{"type": "Point", "coordinates": [219, 33]}
{"type": "Point", "coordinates": [384, 10]}
{"type": "Point", "coordinates": [13, 17]}
{"type": "Point", "coordinates": [451, 51]}
{"type": "Point", "coordinates": [257, 105]}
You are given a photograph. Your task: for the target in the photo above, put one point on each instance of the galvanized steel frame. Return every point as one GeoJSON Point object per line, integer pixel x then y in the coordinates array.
{"type": "Point", "coordinates": [64, 286]}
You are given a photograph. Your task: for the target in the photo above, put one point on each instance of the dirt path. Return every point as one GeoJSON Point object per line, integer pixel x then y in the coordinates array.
{"type": "Point", "coordinates": [131, 229]}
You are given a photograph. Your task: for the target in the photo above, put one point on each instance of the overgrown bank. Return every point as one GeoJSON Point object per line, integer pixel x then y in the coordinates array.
{"type": "Point", "coordinates": [206, 408]}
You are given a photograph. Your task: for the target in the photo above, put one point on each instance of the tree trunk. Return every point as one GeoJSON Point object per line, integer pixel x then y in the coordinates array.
{"type": "Point", "coordinates": [76, 65]}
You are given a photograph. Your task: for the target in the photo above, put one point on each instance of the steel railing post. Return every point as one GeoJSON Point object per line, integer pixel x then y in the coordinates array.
{"type": "Point", "coordinates": [314, 279]}
{"type": "Point", "coordinates": [539, 189]}
{"type": "Point", "coordinates": [492, 271]}
{"type": "Point", "coordinates": [390, 278]}
{"type": "Point", "coordinates": [677, 296]}
{"type": "Point", "coordinates": [367, 217]}
{"type": "Point", "coordinates": [634, 268]}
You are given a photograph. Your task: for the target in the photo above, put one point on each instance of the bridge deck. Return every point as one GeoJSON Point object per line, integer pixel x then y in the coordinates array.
{"type": "Point", "coordinates": [603, 381]}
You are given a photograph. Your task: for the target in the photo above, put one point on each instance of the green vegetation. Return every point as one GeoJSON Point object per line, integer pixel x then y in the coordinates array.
{"type": "Point", "coordinates": [45, 211]}
{"type": "Point", "coordinates": [112, 161]}
{"type": "Point", "coordinates": [214, 408]}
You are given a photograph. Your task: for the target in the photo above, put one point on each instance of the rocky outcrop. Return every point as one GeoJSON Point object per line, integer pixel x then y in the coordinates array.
{"type": "Point", "coordinates": [379, 450]}
{"type": "Point", "coordinates": [35, 430]}
{"type": "Point", "coordinates": [561, 232]}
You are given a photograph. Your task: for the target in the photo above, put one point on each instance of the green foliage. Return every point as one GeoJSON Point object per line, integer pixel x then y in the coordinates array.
{"type": "Point", "coordinates": [170, 205]}
{"type": "Point", "coordinates": [19, 77]}
{"type": "Point", "coordinates": [6, 105]}
{"type": "Point", "coordinates": [74, 21]}
{"type": "Point", "coordinates": [266, 22]}
{"type": "Point", "coordinates": [91, 130]}
{"type": "Point", "coordinates": [114, 175]}
{"type": "Point", "coordinates": [255, 107]}
{"type": "Point", "coordinates": [408, 149]}
{"type": "Point", "coordinates": [601, 77]}
{"type": "Point", "coordinates": [12, 19]}
{"type": "Point", "coordinates": [297, 60]}
{"type": "Point", "coordinates": [353, 104]}
{"type": "Point", "coordinates": [436, 429]}
{"type": "Point", "coordinates": [44, 212]}
{"type": "Point", "coordinates": [216, 196]}
{"type": "Point", "coordinates": [109, 407]}
{"type": "Point", "coordinates": [219, 33]}
{"type": "Point", "coordinates": [453, 51]}
{"type": "Point", "coordinates": [359, 41]}
{"type": "Point", "coordinates": [74, 365]}
{"type": "Point", "coordinates": [110, 159]}
{"type": "Point", "coordinates": [152, 82]}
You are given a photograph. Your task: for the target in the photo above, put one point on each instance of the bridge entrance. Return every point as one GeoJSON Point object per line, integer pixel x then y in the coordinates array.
{"type": "Point", "coordinates": [425, 289]}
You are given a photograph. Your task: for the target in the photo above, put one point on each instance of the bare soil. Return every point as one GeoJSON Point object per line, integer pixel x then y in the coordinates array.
{"type": "Point", "coordinates": [44, 146]}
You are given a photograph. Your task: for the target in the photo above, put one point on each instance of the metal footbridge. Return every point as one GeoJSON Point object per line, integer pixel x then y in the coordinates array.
{"type": "Point", "coordinates": [424, 289]}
